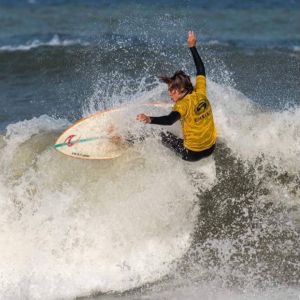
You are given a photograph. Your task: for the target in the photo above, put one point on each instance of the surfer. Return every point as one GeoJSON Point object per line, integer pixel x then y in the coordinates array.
{"type": "Point", "coordinates": [192, 108]}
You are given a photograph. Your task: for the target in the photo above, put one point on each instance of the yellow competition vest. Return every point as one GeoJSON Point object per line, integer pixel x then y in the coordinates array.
{"type": "Point", "coordinates": [199, 132]}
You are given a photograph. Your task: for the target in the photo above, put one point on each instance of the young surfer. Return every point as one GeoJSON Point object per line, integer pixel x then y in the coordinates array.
{"type": "Point", "coordinates": [192, 108]}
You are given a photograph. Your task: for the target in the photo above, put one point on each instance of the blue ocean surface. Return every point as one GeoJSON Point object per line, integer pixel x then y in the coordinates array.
{"type": "Point", "coordinates": [53, 52]}
{"type": "Point", "coordinates": [147, 225]}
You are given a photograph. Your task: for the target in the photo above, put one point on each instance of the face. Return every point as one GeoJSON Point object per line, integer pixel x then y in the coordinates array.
{"type": "Point", "coordinates": [175, 94]}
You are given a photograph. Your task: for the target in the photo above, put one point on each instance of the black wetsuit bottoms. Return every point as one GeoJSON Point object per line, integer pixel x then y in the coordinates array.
{"type": "Point", "coordinates": [174, 143]}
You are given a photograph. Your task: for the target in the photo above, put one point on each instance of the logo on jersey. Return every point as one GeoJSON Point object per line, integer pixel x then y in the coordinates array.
{"type": "Point", "coordinates": [201, 107]}
{"type": "Point", "coordinates": [201, 110]}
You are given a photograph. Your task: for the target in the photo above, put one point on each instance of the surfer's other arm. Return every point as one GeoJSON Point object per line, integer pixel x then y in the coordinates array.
{"type": "Point", "coordinates": [163, 120]}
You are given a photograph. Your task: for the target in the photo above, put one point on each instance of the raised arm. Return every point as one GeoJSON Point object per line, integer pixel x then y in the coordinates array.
{"type": "Point", "coordinates": [197, 59]}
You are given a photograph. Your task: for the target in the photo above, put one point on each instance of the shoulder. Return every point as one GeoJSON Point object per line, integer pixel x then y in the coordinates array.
{"type": "Point", "coordinates": [181, 106]}
{"type": "Point", "coordinates": [200, 78]}
{"type": "Point", "coordinates": [185, 100]}
{"type": "Point", "coordinates": [200, 87]}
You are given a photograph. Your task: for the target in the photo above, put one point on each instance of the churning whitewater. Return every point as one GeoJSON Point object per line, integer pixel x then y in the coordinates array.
{"type": "Point", "coordinates": [73, 227]}
{"type": "Point", "coordinates": [148, 225]}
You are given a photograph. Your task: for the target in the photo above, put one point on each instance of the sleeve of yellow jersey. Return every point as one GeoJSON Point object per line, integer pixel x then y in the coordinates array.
{"type": "Point", "coordinates": [200, 85]}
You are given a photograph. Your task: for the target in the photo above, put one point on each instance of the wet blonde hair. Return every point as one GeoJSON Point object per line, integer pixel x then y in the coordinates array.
{"type": "Point", "coordinates": [179, 81]}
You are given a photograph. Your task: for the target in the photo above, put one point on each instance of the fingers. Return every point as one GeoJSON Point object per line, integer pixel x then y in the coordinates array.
{"type": "Point", "coordinates": [140, 117]}
{"type": "Point", "coordinates": [116, 139]}
{"type": "Point", "coordinates": [191, 39]}
{"type": "Point", "coordinates": [191, 34]}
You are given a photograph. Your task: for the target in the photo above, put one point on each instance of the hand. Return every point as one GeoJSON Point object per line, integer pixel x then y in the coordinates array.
{"type": "Point", "coordinates": [191, 39]}
{"type": "Point", "coordinates": [117, 139]}
{"type": "Point", "coordinates": [143, 118]}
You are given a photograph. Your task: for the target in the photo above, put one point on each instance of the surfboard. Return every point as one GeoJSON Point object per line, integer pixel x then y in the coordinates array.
{"type": "Point", "coordinates": [98, 136]}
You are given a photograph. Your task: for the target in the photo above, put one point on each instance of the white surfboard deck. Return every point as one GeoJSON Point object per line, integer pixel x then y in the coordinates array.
{"type": "Point", "coordinates": [98, 137]}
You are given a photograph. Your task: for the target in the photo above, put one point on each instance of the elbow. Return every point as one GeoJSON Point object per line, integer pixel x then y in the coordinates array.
{"type": "Point", "coordinates": [171, 122]}
{"type": "Point", "coordinates": [201, 72]}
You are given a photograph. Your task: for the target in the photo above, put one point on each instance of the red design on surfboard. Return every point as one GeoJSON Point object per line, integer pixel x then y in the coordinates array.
{"type": "Point", "coordinates": [68, 140]}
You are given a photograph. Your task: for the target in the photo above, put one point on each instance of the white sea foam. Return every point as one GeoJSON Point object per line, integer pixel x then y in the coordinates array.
{"type": "Point", "coordinates": [217, 43]}
{"type": "Point", "coordinates": [72, 227]}
{"type": "Point", "coordinates": [54, 42]}
{"type": "Point", "coordinates": [208, 291]}
{"type": "Point", "coordinates": [296, 48]}
{"type": "Point", "coordinates": [251, 132]}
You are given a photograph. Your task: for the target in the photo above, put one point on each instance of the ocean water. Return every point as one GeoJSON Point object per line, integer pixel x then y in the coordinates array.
{"type": "Point", "coordinates": [147, 225]}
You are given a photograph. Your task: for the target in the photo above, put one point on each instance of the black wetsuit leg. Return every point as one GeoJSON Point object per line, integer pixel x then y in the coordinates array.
{"type": "Point", "coordinates": [194, 156]}
{"type": "Point", "coordinates": [174, 143]}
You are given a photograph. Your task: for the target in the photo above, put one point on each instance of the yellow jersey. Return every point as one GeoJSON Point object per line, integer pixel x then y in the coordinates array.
{"type": "Point", "coordinates": [199, 132]}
